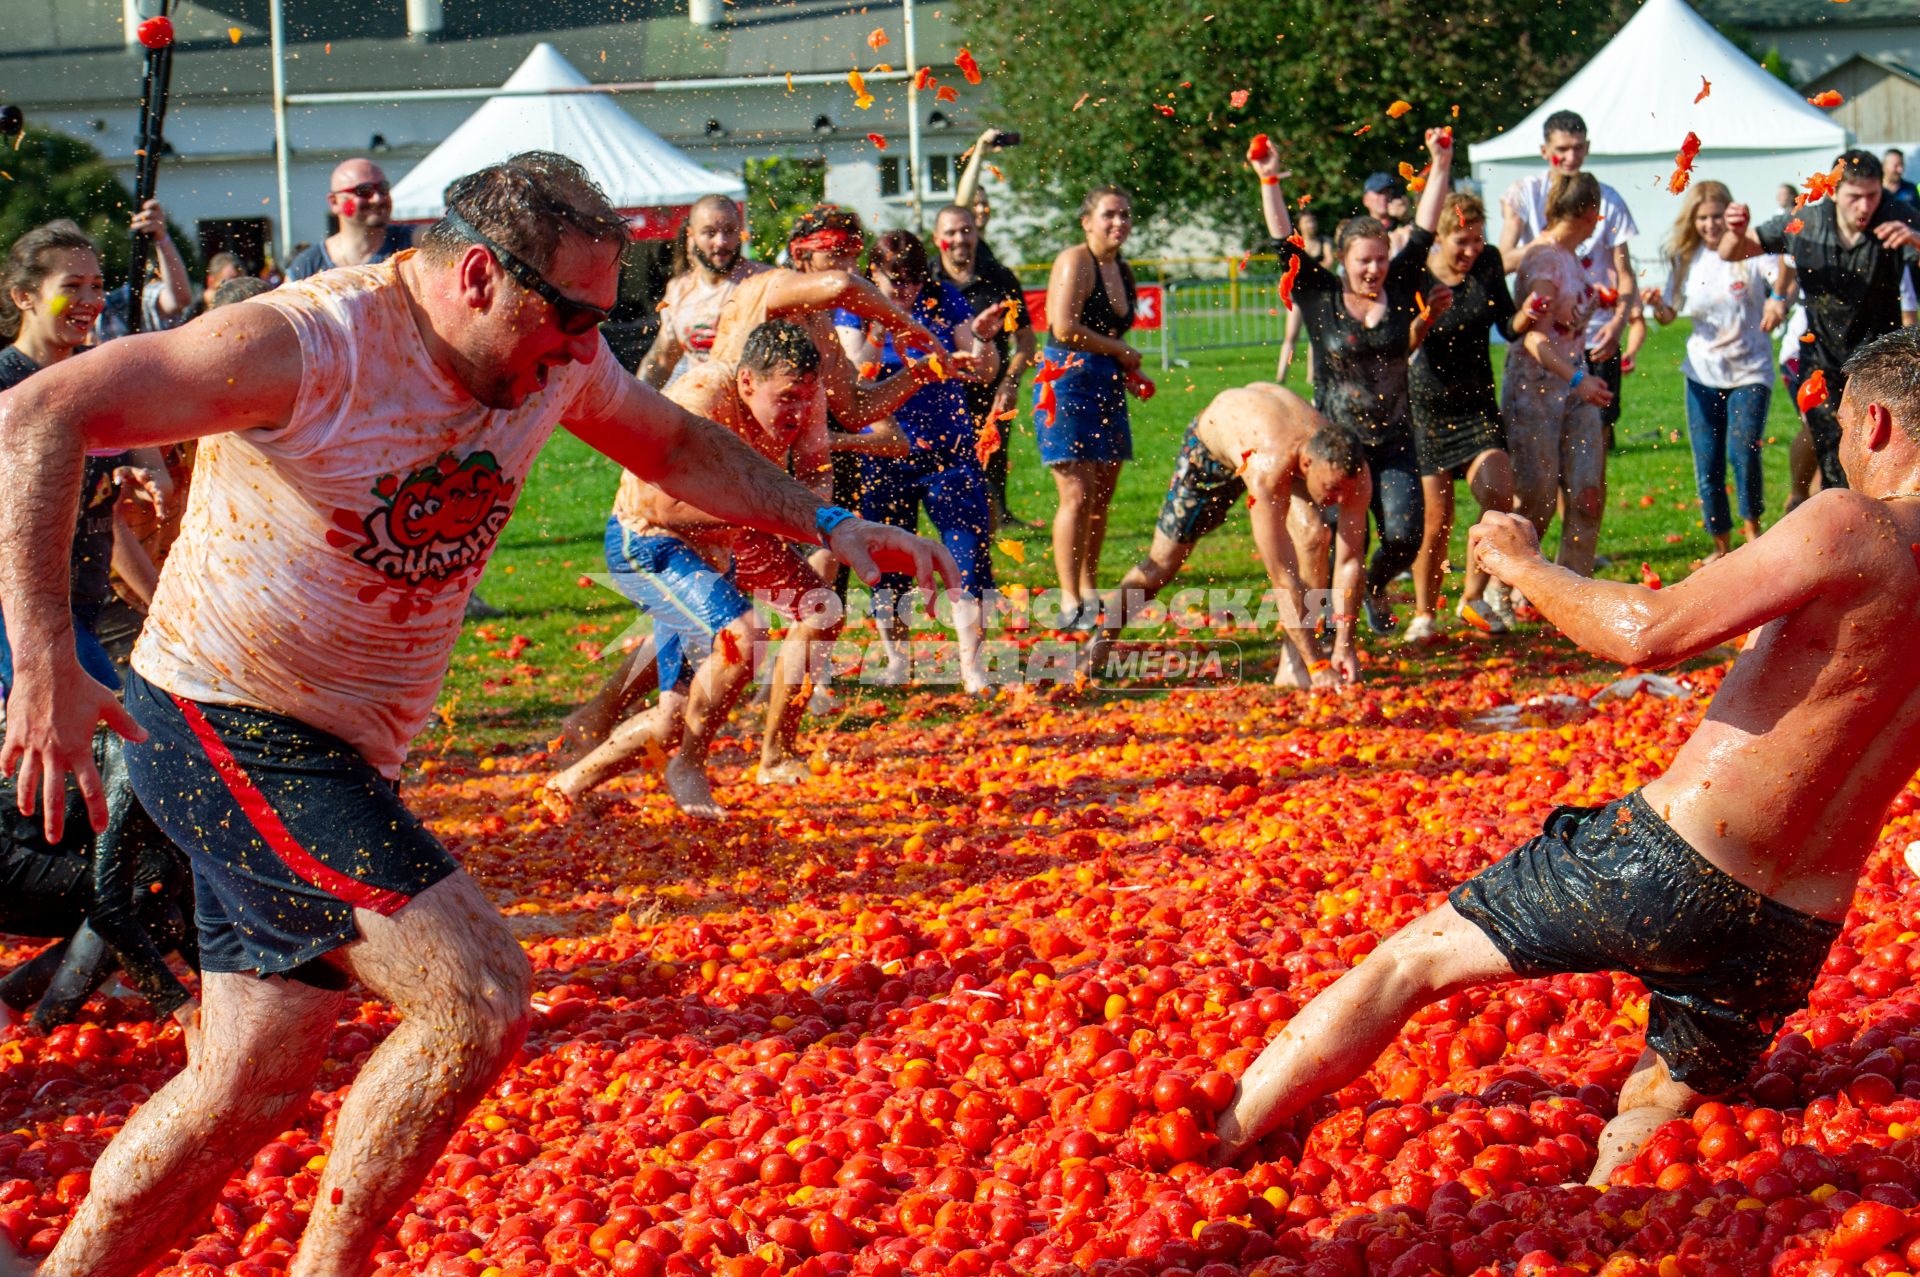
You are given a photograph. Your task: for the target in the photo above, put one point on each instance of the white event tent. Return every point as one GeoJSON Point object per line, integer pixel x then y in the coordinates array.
{"type": "Point", "coordinates": [1637, 97]}
{"type": "Point", "coordinates": [646, 178]}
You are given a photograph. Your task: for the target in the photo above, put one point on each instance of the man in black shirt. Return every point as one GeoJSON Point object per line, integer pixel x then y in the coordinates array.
{"type": "Point", "coordinates": [984, 281]}
{"type": "Point", "coordinates": [1850, 250]}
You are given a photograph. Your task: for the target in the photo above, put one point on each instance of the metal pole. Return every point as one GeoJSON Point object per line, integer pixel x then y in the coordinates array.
{"type": "Point", "coordinates": [277, 43]}
{"type": "Point", "coordinates": [913, 120]}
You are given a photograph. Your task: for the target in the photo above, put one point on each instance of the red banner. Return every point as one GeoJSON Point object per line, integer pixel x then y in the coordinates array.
{"type": "Point", "coordinates": [1148, 301]}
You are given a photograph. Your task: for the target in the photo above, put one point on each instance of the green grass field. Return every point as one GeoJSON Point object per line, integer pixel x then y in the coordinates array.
{"type": "Point", "coordinates": [555, 538]}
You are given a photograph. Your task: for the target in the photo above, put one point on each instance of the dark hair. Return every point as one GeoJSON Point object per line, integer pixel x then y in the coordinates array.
{"type": "Point", "coordinates": [779, 344]}
{"type": "Point", "coordinates": [681, 260]}
{"type": "Point", "coordinates": [1355, 229]}
{"type": "Point", "coordinates": [902, 256]}
{"type": "Point", "coordinates": [1887, 371]}
{"type": "Point", "coordinates": [524, 205]}
{"type": "Point", "coordinates": [1564, 122]}
{"type": "Point", "coordinates": [1091, 200]}
{"type": "Point", "coordinates": [238, 289]}
{"type": "Point", "coordinates": [1572, 195]}
{"type": "Point", "coordinates": [825, 217]}
{"type": "Point", "coordinates": [1893, 150]}
{"type": "Point", "coordinates": [28, 265]}
{"type": "Point", "coordinates": [1859, 166]}
{"type": "Point", "coordinates": [1338, 447]}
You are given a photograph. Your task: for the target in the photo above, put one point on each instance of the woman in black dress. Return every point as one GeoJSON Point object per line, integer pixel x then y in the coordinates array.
{"type": "Point", "coordinates": [1361, 345]}
{"type": "Point", "coordinates": [1457, 431]}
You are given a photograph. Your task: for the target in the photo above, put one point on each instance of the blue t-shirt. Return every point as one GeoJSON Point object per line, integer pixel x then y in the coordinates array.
{"type": "Point", "coordinates": [936, 416]}
{"type": "Point", "coordinates": [313, 260]}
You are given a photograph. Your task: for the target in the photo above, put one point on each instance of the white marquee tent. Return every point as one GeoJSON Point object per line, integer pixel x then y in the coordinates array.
{"type": "Point", "coordinates": [645, 176]}
{"type": "Point", "coordinates": [1637, 97]}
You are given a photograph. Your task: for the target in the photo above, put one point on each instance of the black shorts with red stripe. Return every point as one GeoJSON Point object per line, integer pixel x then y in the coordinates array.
{"type": "Point", "coordinates": [288, 829]}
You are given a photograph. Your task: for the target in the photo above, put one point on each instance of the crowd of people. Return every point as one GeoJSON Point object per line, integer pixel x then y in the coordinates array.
{"type": "Point", "coordinates": [324, 468]}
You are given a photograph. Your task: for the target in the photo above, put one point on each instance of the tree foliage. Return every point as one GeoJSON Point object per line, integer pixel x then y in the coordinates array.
{"type": "Point", "coordinates": [779, 189]}
{"type": "Point", "coordinates": [1316, 73]}
{"type": "Point", "coordinates": [50, 176]}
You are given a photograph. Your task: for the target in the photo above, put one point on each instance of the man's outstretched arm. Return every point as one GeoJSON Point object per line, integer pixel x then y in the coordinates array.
{"type": "Point", "coordinates": [237, 369]}
{"type": "Point", "coordinates": [1833, 543]}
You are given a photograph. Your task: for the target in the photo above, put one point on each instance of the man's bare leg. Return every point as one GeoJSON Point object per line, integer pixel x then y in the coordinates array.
{"type": "Point", "coordinates": [261, 1043]}
{"type": "Point", "coordinates": [780, 760]}
{"type": "Point", "coordinates": [637, 675]}
{"type": "Point", "coordinates": [645, 739]}
{"type": "Point", "coordinates": [1338, 1036]}
{"type": "Point", "coordinates": [717, 686]}
{"type": "Point", "coordinates": [1650, 1099]}
{"type": "Point", "coordinates": [1490, 479]}
{"type": "Point", "coordinates": [1142, 584]}
{"type": "Point", "coordinates": [460, 983]}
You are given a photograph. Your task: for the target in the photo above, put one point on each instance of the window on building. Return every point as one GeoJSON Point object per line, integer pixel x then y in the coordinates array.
{"type": "Point", "coordinates": [891, 169]}
{"type": "Point", "coordinates": [939, 174]}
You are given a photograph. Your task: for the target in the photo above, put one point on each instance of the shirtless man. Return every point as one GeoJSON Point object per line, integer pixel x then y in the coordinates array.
{"type": "Point", "coordinates": [361, 200]}
{"type": "Point", "coordinates": [698, 576]}
{"type": "Point", "coordinates": [1723, 883]}
{"type": "Point", "coordinates": [1266, 443]}
{"type": "Point", "coordinates": [365, 437]}
{"type": "Point", "coordinates": [826, 243]}
{"type": "Point", "coordinates": [714, 266]}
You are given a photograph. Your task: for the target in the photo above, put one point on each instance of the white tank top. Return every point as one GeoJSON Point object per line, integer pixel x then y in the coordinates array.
{"type": "Point", "coordinates": [323, 567]}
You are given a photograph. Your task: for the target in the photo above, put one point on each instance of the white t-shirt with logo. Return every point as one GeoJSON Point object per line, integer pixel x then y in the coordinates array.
{"type": "Point", "coordinates": [1725, 301]}
{"type": "Point", "coordinates": [323, 567]}
{"type": "Point", "coordinates": [1528, 200]}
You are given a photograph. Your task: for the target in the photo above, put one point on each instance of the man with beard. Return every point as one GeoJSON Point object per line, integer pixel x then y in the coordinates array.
{"type": "Point", "coordinates": [707, 267]}
{"type": "Point", "coordinates": [1852, 250]}
{"type": "Point", "coordinates": [362, 199]}
{"type": "Point", "coordinates": [983, 282]}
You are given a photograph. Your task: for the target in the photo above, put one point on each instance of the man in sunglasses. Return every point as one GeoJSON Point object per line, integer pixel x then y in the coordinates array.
{"type": "Point", "coordinates": [365, 436]}
{"type": "Point", "coordinates": [361, 200]}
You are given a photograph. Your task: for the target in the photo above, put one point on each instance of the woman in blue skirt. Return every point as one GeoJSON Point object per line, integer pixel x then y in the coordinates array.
{"type": "Point", "coordinates": [1080, 397]}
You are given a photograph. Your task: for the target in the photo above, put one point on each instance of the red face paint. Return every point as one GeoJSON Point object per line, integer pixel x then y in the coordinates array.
{"type": "Point", "coordinates": [347, 206]}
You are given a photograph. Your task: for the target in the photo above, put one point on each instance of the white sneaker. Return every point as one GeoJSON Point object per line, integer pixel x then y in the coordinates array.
{"type": "Point", "coordinates": [1499, 603]}
{"type": "Point", "coordinates": [1419, 630]}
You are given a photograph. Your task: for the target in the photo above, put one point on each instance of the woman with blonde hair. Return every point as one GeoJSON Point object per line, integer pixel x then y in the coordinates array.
{"type": "Point", "coordinates": [1729, 362]}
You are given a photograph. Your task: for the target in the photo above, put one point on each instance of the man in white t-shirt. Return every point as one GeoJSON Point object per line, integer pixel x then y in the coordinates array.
{"type": "Point", "coordinates": [714, 266]}
{"type": "Point", "coordinates": [1605, 257]}
{"type": "Point", "coordinates": [365, 436]}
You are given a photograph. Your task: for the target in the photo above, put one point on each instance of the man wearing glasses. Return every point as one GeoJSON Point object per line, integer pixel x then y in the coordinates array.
{"type": "Point", "coordinates": [361, 198]}
{"type": "Point", "coordinates": [365, 437]}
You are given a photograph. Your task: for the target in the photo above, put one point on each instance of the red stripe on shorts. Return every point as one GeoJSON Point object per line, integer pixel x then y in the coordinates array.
{"type": "Point", "coordinates": [266, 821]}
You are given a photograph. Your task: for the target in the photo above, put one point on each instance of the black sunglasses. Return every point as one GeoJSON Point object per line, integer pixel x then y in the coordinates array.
{"type": "Point", "coordinates": [366, 190]}
{"type": "Point", "coordinates": [573, 317]}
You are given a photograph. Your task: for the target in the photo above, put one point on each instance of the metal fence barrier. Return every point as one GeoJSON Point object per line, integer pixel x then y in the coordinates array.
{"type": "Point", "coordinates": [1212, 303]}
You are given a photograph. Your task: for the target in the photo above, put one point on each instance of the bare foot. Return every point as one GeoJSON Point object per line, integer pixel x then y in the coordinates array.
{"type": "Point", "coordinates": [1094, 655]}
{"type": "Point", "coordinates": [786, 771]}
{"type": "Point", "coordinates": [1293, 671]}
{"type": "Point", "coordinates": [687, 786]}
{"type": "Point", "coordinates": [974, 682]}
{"type": "Point", "coordinates": [556, 801]}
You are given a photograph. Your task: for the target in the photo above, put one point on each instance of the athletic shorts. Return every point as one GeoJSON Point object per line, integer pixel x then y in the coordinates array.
{"type": "Point", "coordinates": [1614, 888]}
{"type": "Point", "coordinates": [690, 600]}
{"type": "Point", "coordinates": [287, 828]}
{"type": "Point", "coordinates": [1202, 494]}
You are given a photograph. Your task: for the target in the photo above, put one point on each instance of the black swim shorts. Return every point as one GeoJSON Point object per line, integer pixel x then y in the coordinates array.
{"type": "Point", "coordinates": [288, 829]}
{"type": "Point", "coordinates": [1202, 493]}
{"type": "Point", "coordinates": [1614, 888]}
